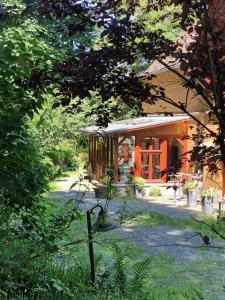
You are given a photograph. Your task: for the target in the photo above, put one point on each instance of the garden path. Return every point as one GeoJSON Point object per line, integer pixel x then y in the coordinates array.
{"type": "Point", "coordinates": [187, 252]}
{"type": "Point", "coordinates": [151, 239]}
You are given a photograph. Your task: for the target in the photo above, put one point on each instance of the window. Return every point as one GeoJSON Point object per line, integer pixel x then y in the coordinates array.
{"type": "Point", "coordinates": [125, 158]}
{"type": "Point", "coordinates": [151, 158]}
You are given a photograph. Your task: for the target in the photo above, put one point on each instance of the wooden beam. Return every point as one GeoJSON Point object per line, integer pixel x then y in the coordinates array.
{"type": "Point", "coordinates": [111, 151]}
{"type": "Point", "coordinates": [92, 148]}
{"type": "Point", "coordinates": [107, 150]}
{"type": "Point", "coordinates": [137, 156]}
{"type": "Point", "coordinates": [149, 127]}
{"type": "Point", "coordinates": [184, 156]}
{"type": "Point", "coordinates": [94, 151]}
{"type": "Point", "coordinates": [116, 160]}
{"type": "Point", "coordinates": [89, 148]}
{"type": "Point", "coordinates": [163, 159]}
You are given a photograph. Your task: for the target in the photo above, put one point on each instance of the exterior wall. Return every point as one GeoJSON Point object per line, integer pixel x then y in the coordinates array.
{"type": "Point", "coordinates": [168, 129]}
{"type": "Point", "coordinates": [213, 180]}
{"type": "Point", "coordinates": [175, 91]}
{"type": "Point", "coordinates": [176, 130]}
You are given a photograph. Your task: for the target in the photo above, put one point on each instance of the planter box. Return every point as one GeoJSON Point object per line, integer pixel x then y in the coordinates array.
{"type": "Point", "coordinates": [192, 198]}
{"type": "Point", "coordinates": [207, 205]}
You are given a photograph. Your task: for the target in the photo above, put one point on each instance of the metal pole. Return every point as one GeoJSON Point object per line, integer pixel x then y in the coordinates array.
{"type": "Point", "coordinates": [90, 247]}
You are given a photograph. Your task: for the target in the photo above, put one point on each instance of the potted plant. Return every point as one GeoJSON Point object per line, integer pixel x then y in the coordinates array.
{"type": "Point", "coordinates": [155, 191]}
{"type": "Point", "coordinates": [139, 183]}
{"type": "Point", "coordinates": [207, 196]}
{"type": "Point", "coordinates": [190, 188]}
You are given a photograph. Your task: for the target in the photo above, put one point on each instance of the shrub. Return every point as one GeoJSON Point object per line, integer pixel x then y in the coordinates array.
{"type": "Point", "coordinates": [27, 255]}
{"type": "Point", "coordinates": [139, 183]}
{"type": "Point", "coordinates": [155, 191]}
{"type": "Point", "coordinates": [82, 159]}
{"type": "Point", "coordinates": [24, 176]}
{"type": "Point", "coordinates": [63, 156]}
{"type": "Point", "coordinates": [104, 179]}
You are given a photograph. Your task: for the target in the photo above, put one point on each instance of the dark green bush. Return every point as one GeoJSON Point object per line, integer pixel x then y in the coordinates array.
{"type": "Point", "coordinates": [27, 251]}
{"type": "Point", "coordinates": [24, 173]}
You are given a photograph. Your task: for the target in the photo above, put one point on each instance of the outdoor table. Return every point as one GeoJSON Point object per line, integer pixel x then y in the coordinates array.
{"type": "Point", "coordinates": [192, 176]}
{"type": "Point", "coordinates": [179, 176]}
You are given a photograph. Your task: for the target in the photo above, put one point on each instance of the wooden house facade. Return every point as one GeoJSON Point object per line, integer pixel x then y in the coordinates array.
{"type": "Point", "coordinates": [156, 146]}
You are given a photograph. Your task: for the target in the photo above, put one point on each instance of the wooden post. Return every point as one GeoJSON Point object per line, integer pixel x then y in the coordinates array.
{"type": "Point", "coordinates": [185, 149]}
{"type": "Point", "coordinates": [184, 156]}
{"type": "Point", "coordinates": [183, 143]}
{"type": "Point", "coordinates": [107, 150]}
{"type": "Point", "coordinates": [94, 156]}
{"type": "Point", "coordinates": [116, 162]}
{"type": "Point", "coordinates": [163, 159]}
{"type": "Point", "coordinates": [137, 157]}
{"type": "Point", "coordinates": [111, 151]}
{"type": "Point", "coordinates": [91, 150]}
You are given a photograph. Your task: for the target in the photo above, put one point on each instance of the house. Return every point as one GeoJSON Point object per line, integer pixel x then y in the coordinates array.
{"type": "Point", "coordinates": [156, 146]}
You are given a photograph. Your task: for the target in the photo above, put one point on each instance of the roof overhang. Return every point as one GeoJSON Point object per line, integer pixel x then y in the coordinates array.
{"type": "Point", "coordinates": [135, 124]}
{"type": "Point", "coordinates": [157, 68]}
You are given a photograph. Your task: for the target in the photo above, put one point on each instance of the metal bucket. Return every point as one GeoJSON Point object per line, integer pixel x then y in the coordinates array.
{"type": "Point", "coordinates": [139, 194]}
{"type": "Point", "coordinates": [207, 205]}
{"type": "Point", "coordinates": [101, 193]}
{"type": "Point", "coordinates": [192, 198]}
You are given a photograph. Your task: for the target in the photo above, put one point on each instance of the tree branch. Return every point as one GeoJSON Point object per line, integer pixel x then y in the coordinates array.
{"type": "Point", "coordinates": [212, 227]}
{"type": "Point", "coordinates": [170, 101]}
{"type": "Point", "coordinates": [190, 83]}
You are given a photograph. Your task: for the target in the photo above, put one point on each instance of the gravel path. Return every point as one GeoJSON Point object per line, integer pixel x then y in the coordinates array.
{"type": "Point", "coordinates": [155, 240]}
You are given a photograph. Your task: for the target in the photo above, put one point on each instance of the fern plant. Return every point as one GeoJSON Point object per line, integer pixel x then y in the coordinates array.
{"type": "Point", "coordinates": [125, 281]}
{"type": "Point", "coordinates": [141, 270]}
{"type": "Point", "coordinates": [119, 276]}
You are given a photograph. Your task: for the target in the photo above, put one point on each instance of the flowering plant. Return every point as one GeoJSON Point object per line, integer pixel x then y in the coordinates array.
{"type": "Point", "coordinates": [189, 186]}
{"type": "Point", "coordinates": [139, 183]}
{"type": "Point", "coordinates": [207, 192]}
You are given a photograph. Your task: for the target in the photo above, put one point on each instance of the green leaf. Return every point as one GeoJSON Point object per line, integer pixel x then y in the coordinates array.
{"type": "Point", "coordinates": [57, 287]}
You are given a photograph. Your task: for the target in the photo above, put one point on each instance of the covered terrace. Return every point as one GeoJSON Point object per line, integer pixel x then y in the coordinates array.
{"type": "Point", "coordinates": [151, 147]}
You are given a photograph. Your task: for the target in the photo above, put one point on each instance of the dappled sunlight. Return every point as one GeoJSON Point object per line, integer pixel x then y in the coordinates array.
{"type": "Point", "coordinates": [159, 230]}
{"type": "Point", "coordinates": [175, 232]}
{"type": "Point", "coordinates": [127, 229]}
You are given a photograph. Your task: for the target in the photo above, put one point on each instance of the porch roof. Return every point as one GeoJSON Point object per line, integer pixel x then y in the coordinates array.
{"type": "Point", "coordinates": [137, 123]}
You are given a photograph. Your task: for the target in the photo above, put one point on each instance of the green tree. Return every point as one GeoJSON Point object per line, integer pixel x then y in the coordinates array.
{"type": "Point", "coordinates": [23, 51]}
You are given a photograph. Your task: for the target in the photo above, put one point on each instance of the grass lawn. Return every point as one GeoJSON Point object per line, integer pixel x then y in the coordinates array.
{"type": "Point", "coordinates": [153, 219]}
{"type": "Point", "coordinates": [166, 279]}
{"type": "Point", "coordinates": [54, 184]}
